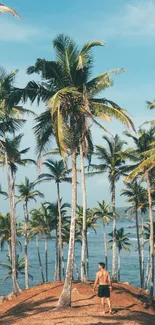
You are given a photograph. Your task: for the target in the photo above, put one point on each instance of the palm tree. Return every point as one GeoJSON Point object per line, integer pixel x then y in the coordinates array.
{"type": "Point", "coordinates": [4, 9]}
{"type": "Point", "coordinates": [20, 267]}
{"type": "Point", "coordinates": [122, 242]}
{"type": "Point", "coordinates": [103, 212]}
{"type": "Point", "coordinates": [147, 237]}
{"type": "Point", "coordinates": [27, 193]}
{"type": "Point", "coordinates": [78, 70]}
{"type": "Point", "coordinates": [86, 149]}
{"type": "Point", "coordinates": [82, 213]}
{"type": "Point", "coordinates": [43, 222]}
{"type": "Point", "coordinates": [11, 157]}
{"type": "Point", "coordinates": [70, 96]}
{"type": "Point", "coordinates": [90, 223]}
{"type": "Point", "coordinates": [112, 161]}
{"type": "Point", "coordinates": [53, 208]}
{"type": "Point", "coordinates": [149, 189]}
{"type": "Point", "coordinates": [144, 168]}
{"type": "Point", "coordinates": [5, 232]}
{"type": "Point", "coordinates": [9, 149]}
{"type": "Point", "coordinates": [58, 174]}
{"type": "Point", "coordinates": [134, 193]}
{"type": "Point", "coordinates": [142, 145]}
{"type": "Point", "coordinates": [35, 230]}
{"type": "Point", "coordinates": [143, 207]}
{"type": "Point", "coordinates": [84, 227]}
{"type": "Point", "coordinates": [65, 239]}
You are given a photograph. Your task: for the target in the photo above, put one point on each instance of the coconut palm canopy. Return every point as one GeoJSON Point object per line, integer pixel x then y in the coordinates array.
{"type": "Point", "coordinates": [4, 9]}
{"type": "Point", "coordinates": [69, 91]}
{"type": "Point", "coordinates": [74, 102]}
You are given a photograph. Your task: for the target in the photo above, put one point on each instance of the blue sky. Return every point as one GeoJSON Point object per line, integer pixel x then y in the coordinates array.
{"type": "Point", "coordinates": [128, 29]}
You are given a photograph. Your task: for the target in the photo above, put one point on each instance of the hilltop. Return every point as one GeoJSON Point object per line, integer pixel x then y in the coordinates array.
{"type": "Point", "coordinates": [36, 307]}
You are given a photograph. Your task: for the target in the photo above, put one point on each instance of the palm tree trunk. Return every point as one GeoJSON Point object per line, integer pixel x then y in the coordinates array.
{"type": "Point", "coordinates": [142, 217]}
{"type": "Point", "coordinates": [119, 265]}
{"type": "Point", "coordinates": [26, 245]}
{"type": "Point", "coordinates": [39, 258]}
{"type": "Point", "coordinates": [83, 252]}
{"type": "Point", "coordinates": [17, 288]}
{"type": "Point", "coordinates": [13, 226]}
{"type": "Point", "coordinates": [76, 269]}
{"type": "Point", "coordinates": [105, 244]}
{"type": "Point", "coordinates": [60, 231]}
{"type": "Point", "coordinates": [65, 298]}
{"type": "Point", "coordinates": [13, 237]}
{"type": "Point", "coordinates": [147, 270]}
{"type": "Point", "coordinates": [46, 257]}
{"type": "Point", "coordinates": [9, 250]}
{"type": "Point", "coordinates": [87, 257]}
{"type": "Point", "coordinates": [149, 277]}
{"type": "Point", "coordinates": [139, 247]}
{"type": "Point", "coordinates": [151, 234]}
{"type": "Point", "coordinates": [114, 275]}
{"type": "Point", "coordinates": [57, 258]}
{"type": "Point", "coordinates": [63, 264]}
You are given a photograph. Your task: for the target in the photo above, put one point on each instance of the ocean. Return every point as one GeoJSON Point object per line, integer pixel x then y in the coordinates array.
{"type": "Point", "coordinates": [129, 261]}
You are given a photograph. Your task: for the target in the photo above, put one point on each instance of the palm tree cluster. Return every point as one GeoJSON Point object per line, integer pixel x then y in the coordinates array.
{"type": "Point", "coordinates": [73, 104]}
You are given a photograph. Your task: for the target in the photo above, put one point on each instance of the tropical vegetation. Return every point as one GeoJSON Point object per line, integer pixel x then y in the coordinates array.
{"type": "Point", "coordinates": [74, 103]}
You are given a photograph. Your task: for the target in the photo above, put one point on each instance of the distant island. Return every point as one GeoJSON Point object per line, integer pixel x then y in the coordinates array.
{"type": "Point", "coordinates": [124, 215]}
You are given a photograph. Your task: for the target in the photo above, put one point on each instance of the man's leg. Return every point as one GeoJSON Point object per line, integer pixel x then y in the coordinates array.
{"type": "Point", "coordinates": [103, 304]}
{"type": "Point", "coordinates": [109, 305]}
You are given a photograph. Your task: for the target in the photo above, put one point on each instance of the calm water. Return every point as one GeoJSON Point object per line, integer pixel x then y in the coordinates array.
{"type": "Point", "coordinates": [129, 262]}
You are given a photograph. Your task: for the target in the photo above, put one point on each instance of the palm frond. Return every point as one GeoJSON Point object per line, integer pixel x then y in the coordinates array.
{"type": "Point", "coordinates": [85, 54]}
{"type": "Point", "coordinates": [100, 106]}
{"type": "Point", "coordinates": [149, 163]}
{"type": "Point", "coordinates": [98, 84]}
{"type": "Point", "coordinates": [150, 105]}
{"type": "Point", "coordinates": [4, 9]}
{"type": "Point", "coordinates": [2, 192]}
{"type": "Point", "coordinates": [33, 91]}
{"type": "Point", "coordinates": [44, 132]}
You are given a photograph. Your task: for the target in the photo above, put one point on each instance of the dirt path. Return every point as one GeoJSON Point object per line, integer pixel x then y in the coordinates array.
{"type": "Point", "coordinates": [36, 307]}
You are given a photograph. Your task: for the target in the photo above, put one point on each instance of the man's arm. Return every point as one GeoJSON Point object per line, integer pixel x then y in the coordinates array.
{"type": "Point", "coordinates": [109, 281]}
{"type": "Point", "coordinates": [96, 281]}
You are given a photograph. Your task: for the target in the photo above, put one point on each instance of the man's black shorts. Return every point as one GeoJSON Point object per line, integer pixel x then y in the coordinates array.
{"type": "Point", "coordinates": [104, 291]}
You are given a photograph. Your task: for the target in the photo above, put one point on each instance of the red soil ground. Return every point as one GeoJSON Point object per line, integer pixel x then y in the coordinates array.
{"type": "Point", "coordinates": [36, 307]}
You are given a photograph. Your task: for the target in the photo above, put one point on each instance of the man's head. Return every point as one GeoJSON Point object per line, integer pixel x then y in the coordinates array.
{"type": "Point", "coordinates": [101, 266]}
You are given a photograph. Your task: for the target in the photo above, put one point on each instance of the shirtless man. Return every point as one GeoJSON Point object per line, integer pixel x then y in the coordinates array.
{"type": "Point", "coordinates": [104, 281]}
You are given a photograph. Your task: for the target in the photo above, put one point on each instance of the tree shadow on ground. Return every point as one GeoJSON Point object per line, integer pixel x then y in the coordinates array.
{"type": "Point", "coordinates": [139, 296]}
{"type": "Point", "coordinates": [76, 307]}
{"type": "Point", "coordinates": [142, 318]}
{"type": "Point", "coordinates": [33, 308]}
{"type": "Point", "coordinates": [104, 323]}
{"type": "Point", "coordinates": [37, 294]}
{"type": "Point", "coordinates": [26, 309]}
{"type": "Point", "coordinates": [92, 297]}
{"type": "Point", "coordinates": [125, 290]}
{"type": "Point", "coordinates": [117, 309]}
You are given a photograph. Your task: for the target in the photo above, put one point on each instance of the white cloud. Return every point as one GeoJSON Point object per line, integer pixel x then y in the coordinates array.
{"type": "Point", "coordinates": [18, 31]}
{"type": "Point", "coordinates": [135, 19]}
